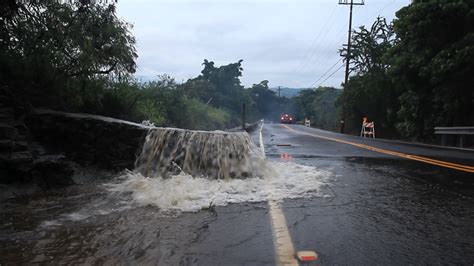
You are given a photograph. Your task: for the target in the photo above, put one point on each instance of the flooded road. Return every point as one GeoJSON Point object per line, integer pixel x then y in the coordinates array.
{"type": "Point", "coordinates": [350, 205]}
{"type": "Point", "coordinates": [86, 225]}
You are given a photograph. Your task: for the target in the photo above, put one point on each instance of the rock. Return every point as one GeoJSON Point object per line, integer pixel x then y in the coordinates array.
{"type": "Point", "coordinates": [53, 170]}
{"type": "Point", "coordinates": [7, 111]}
{"type": "Point", "coordinates": [20, 146]}
{"type": "Point", "coordinates": [7, 131]}
{"type": "Point", "coordinates": [27, 167]}
{"type": "Point", "coordinates": [5, 116]}
{"type": "Point", "coordinates": [20, 157]}
{"type": "Point", "coordinates": [19, 163]}
{"type": "Point", "coordinates": [15, 166]}
{"type": "Point", "coordinates": [6, 144]}
{"type": "Point", "coordinates": [89, 139]}
{"type": "Point", "coordinates": [22, 130]}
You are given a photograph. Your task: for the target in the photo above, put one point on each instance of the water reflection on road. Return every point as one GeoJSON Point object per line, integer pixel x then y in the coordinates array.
{"type": "Point", "coordinates": [368, 210]}
{"type": "Point", "coordinates": [377, 214]}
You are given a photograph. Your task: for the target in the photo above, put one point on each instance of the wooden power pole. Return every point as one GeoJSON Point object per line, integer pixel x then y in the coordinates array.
{"type": "Point", "coordinates": [351, 3]}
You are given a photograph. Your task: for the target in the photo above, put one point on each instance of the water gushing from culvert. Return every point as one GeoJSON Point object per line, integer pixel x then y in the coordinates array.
{"type": "Point", "coordinates": [213, 154]}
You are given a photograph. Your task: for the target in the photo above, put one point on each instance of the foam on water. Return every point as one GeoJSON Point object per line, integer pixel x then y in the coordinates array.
{"type": "Point", "coordinates": [183, 192]}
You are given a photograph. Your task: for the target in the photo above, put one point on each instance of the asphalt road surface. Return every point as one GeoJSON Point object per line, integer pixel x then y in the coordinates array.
{"type": "Point", "coordinates": [383, 208]}
{"type": "Point", "coordinates": [382, 203]}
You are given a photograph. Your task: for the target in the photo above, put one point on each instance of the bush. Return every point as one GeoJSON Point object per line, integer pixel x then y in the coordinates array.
{"type": "Point", "coordinates": [201, 116]}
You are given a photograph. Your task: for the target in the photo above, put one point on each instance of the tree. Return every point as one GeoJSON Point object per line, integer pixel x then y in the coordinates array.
{"type": "Point", "coordinates": [370, 95]}
{"type": "Point", "coordinates": [369, 91]}
{"type": "Point", "coordinates": [267, 104]}
{"type": "Point", "coordinates": [50, 47]}
{"type": "Point", "coordinates": [368, 47]}
{"type": "Point", "coordinates": [79, 56]}
{"type": "Point", "coordinates": [319, 106]}
{"type": "Point", "coordinates": [432, 64]}
{"type": "Point", "coordinates": [220, 86]}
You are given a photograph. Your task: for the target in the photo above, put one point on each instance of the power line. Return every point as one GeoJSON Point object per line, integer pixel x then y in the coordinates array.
{"type": "Point", "coordinates": [323, 37]}
{"type": "Point", "coordinates": [319, 34]}
{"type": "Point", "coordinates": [340, 32]}
{"type": "Point", "coordinates": [313, 47]}
{"type": "Point", "coordinates": [318, 62]}
{"type": "Point", "coordinates": [327, 71]}
{"type": "Point", "coordinates": [330, 44]}
{"type": "Point", "coordinates": [345, 25]}
{"type": "Point", "coordinates": [332, 74]}
{"type": "Point", "coordinates": [327, 47]}
{"type": "Point", "coordinates": [378, 12]}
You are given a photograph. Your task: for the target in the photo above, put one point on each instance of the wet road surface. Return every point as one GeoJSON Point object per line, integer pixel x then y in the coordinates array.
{"type": "Point", "coordinates": [374, 209]}
{"type": "Point", "coordinates": [382, 209]}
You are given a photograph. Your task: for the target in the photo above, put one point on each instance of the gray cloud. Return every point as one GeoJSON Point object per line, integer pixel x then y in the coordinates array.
{"type": "Point", "coordinates": [276, 39]}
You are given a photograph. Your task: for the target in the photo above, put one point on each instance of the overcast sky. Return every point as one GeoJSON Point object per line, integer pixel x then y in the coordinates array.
{"type": "Point", "coordinates": [291, 43]}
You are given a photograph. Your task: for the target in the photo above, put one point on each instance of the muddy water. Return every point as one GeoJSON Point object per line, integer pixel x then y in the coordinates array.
{"type": "Point", "coordinates": [87, 225]}
{"type": "Point", "coordinates": [358, 213]}
{"type": "Point", "coordinates": [351, 211]}
{"type": "Point", "coordinates": [212, 154]}
{"type": "Point", "coordinates": [130, 218]}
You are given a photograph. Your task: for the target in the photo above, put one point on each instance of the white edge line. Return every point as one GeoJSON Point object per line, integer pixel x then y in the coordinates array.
{"type": "Point", "coordinates": [260, 140]}
{"type": "Point", "coordinates": [284, 248]}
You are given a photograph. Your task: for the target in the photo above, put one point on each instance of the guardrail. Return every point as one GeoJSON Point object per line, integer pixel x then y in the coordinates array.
{"type": "Point", "coordinates": [457, 131]}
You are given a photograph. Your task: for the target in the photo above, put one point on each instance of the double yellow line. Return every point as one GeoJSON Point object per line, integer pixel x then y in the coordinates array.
{"type": "Point", "coordinates": [460, 167]}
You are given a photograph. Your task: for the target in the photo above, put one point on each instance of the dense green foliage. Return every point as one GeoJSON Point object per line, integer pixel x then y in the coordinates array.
{"type": "Point", "coordinates": [56, 54]}
{"type": "Point", "coordinates": [79, 56]}
{"type": "Point", "coordinates": [413, 74]}
{"type": "Point", "coordinates": [164, 103]}
{"type": "Point", "coordinates": [408, 76]}
{"type": "Point", "coordinates": [319, 106]}
{"type": "Point", "coordinates": [219, 87]}
{"type": "Point", "coordinates": [369, 91]}
{"type": "Point", "coordinates": [433, 65]}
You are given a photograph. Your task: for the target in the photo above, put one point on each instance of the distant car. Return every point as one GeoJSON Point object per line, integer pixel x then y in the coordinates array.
{"type": "Point", "coordinates": [286, 119]}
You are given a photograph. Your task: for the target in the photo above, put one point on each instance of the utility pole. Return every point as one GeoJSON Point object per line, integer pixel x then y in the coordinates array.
{"type": "Point", "coordinates": [279, 89]}
{"type": "Point", "coordinates": [351, 3]}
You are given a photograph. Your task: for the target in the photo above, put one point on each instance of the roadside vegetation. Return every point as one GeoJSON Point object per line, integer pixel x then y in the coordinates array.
{"type": "Point", "coordinates": [414, 73]}
{"type": "Point", "coordinates": [408, 75]}
{"type": "Point", "coordinates": [80, 57]}
{"type": "Point", "coordinates": [319, 107]}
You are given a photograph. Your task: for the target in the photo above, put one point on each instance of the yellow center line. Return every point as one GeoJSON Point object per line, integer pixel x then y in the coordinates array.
{"type": "Point", "coordinates": [460, 167]}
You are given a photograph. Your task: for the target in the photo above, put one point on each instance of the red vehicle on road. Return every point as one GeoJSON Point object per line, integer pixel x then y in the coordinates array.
{"type": "Point", "coordinates": [286, 119]}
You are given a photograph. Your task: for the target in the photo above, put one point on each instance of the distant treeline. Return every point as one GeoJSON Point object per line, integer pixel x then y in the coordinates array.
{"type": "Point", "coordinates": [319, 107]}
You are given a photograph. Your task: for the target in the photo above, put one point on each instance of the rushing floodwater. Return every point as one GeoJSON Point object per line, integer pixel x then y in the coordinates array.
{"type": "Point", "coordinates": [212, 154]}
{"type": "Point", "coordinates": [89, 222]}
{"type": "Point", "coordinates": [352, 211]}
{"type": "Point", "coordinates": [183, 192]}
